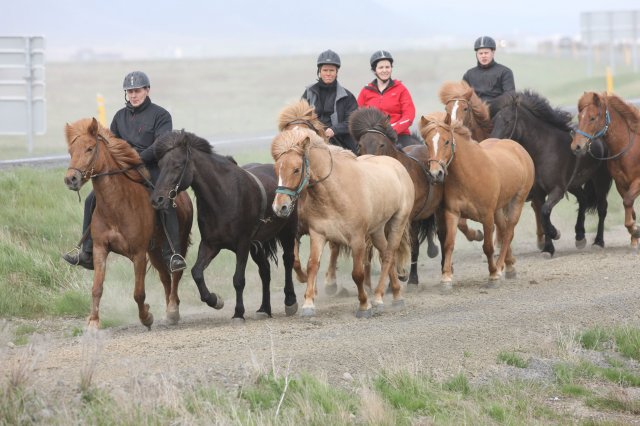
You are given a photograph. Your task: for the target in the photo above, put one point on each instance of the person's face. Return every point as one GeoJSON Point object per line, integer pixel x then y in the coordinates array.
{"type": "Point", "coordinates": [137, 96]}
{"type": "Point", "coordinates": [484, 56]}
{"type": "Point", "coordinates": [328, 73]}
{"type": "Point", "coordinates": [383, 70]}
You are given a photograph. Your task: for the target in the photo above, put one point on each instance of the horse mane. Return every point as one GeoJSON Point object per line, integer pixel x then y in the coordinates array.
{"type": "Point", "coordinates": [630, 113]}
{"type": "Point", "coordinates": [182, 138]}
{"type": "Point", "coordinates": [432, 121]}
{"type": "Point", "coordinates": [369, 118]}
{"type": "Point", "coordinates": [462, 90]}
{"type": "Point", "coordinates": [296, 140]}
{"type": "Point", "coordinates": [300, 112]}
{"type": "Point", "coordinates": [537, 105]}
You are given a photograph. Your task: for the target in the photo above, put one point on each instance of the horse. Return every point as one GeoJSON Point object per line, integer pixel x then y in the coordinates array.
{"type": "Point", "coordinates": [461, 103]}
{"type": "Point", "coordinates": [233, 213]}
{"type": "Point", "coordinates": [487, 182]}
{"type": "Point", "coordinates": [300, 113]}
{"type": "Point", "coordinates": [374, 135]}
{"type": "Point", "coordinates": [123, 221]}
{"type": "Point", "coordinates": [347, 200]}
{"type": "Point", "coordinates": [617, 122]}
{"type": "Point", "coordinates": [545, 133]}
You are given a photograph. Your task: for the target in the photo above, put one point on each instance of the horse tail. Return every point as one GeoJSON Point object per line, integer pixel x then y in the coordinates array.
{"type": "Point", "coordinates": [269, 247]}
{"type": "Point", "coordinates": [403, 253]}
{"type": "Point", "coordinates": [426, 227]}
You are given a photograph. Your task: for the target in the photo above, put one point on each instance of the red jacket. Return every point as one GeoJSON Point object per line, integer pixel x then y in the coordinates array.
{"type": "Point", "coordinates": [395, 101]}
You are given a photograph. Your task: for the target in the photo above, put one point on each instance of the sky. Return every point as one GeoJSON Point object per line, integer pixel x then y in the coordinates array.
{"type": "Point", "coordinates": [76, 29]}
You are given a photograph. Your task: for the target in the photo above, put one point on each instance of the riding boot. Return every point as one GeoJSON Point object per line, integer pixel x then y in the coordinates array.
{"type": "Point", "coordinates": [171, 245]}
{"type": "Point", "coordinates": [83, 255]}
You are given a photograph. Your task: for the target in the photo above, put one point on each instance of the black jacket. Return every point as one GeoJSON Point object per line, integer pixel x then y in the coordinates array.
{"type": "Point", "coordinates": [141, 126]}
{"type": "Point", "coordinates": [338, 118]}
{"type": "Point", "coordinates": [491, 81]}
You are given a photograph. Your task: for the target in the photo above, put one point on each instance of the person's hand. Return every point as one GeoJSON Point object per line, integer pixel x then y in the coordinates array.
{"type": "Point", "coordinates": [329, 132]}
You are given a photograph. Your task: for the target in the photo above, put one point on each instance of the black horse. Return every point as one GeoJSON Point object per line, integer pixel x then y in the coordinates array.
{"type": "Point", "coordinates": [234, 213]}
{"type": "Point", "coordinates": [545, 133]}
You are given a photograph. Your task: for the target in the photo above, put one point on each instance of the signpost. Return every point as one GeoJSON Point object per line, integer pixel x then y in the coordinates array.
{"type": "Point", "coordinates": [22, 88]}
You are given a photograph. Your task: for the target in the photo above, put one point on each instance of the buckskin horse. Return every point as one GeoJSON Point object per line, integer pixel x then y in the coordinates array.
{"type": "Point", "coordinates": [617, 122]}
{"type": "Point", "coordinates": [347, 200]}
{"type": "Point", "coordinates": [233, 213]}
{"type": "Point", "coordinates": [487, 182]}
{"type": "Point", "coordinates": [545, 133]}
{"type": "Point", "coordinates": [123, 221]}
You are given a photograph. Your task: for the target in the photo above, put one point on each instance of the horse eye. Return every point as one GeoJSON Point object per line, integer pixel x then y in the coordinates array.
{"type": "Point", "coordinates": [296, 171]}
{"type": "Point", "coordinates": [89, 149]}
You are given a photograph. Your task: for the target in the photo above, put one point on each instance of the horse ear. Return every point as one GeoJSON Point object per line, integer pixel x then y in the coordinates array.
{"type": "Point", "coordinates": [596, 99]}
{"type": "Point", "coordinates": [305, 143]}
{"type": "Point", "coordinates": [93, 127]}
{"type": "Point", "coordinates": [423, 121]}
{"type": "Point", "coordinates": [447, 119]}
{"type": "Point", "coordinates": [67, 132]}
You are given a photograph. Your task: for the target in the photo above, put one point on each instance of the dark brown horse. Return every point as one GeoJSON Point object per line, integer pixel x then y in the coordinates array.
{"type": "Point", "coordinates": [123, 221]}
{"type": "Point", "coordinates": [234, 213]}
{"type": "Point", "coordinates": [608, 117]}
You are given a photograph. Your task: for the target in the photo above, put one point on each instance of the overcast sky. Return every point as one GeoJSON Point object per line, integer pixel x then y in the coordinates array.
{"type": "Point", "coordinates": [163, 28]}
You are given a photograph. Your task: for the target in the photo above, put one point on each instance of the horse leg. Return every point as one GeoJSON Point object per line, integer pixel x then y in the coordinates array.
{"type": "Point", "coordinates": [358, 252]}
{"type": "Point", "coordinates": [471, 234]}
{"type": "Point", "coordinates": [628, 199]}
{"type": "Point", "coordinates": [100, 266]}
{"type": "Point", "coordinates": [139, 295]}
{"type": "Point", "coordinates": [536, 206]}
{"type": "Point", "coordinates": [603, 205]}
{"type": "Point", "coordinates": [242, 254]}
{"type": "Point", "coordinates": [415, 252]}
{"type": "Point", "coordinates": [551, 232]}
{"type": "Point", "coordinates": [301, 274]}
{"type": "Point", "coordinates": [512, 217]}
{"type": "Point", "coordinates": [451, 220]}
{"type": "Point", "coordinates": [379, 241]}
{"type": "Point", "coordinates": [287, 241]}
{"type": "Point", "coordinates": [330, 282]}
{"type": "Point", "coordinates": [581, 240]}
{"type": "Point", "coordinates": [488, 248]}
{"type": "Point", "coordinates": [316, 246]}
{"type": "Point", "coordinates": [259, 256]}
{"type": "Point", "coordinates": [500, 222]}
{"type": "Point", "coordinates": [205, 256]}
{"type": "Point", "coordinates": [170, 284]}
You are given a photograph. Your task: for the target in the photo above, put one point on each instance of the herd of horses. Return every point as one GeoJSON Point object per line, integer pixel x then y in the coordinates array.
{"type": "Point", "coordinates": [471, 162]}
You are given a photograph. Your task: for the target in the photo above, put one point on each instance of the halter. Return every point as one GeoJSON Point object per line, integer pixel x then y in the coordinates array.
{"type": "Point", "coordinates": [88, 173]}
{"type": "Point", "coordinates": [304, 180]}
{"type": "Point", "coordinates": [445, 166]}
{"type": "Point", "coordinates": [461, 100]}
{"type": "Point", "coordinates": [305, 122]}
{"type": "Point", "coordinates": [601, 133]}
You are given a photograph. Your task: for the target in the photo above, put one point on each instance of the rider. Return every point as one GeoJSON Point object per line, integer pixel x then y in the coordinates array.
{"type": "Point", "coordinates": [332, 102]}
{"type": "Point", "coordinates": [389, 96]}
{"type": "Point", "coordinates": [489, 79]}
{"type": "Point", "coordinates": [140, 122]}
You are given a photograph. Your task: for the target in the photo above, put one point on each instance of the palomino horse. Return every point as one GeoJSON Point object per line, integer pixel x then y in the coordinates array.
{"type": "Point", "coordinates": [545, 133]}
{"type": "Point", "coordinates": [345, 199]}
{"type": "Point", "coordinates": [374, 135]}
{"type": "Point", "coordinates": [300, 113]}
{"type": "Point", "coordinates": [618, 123]}
{"type": "Point", "coordinates": [233, 213]}
{"type": "Point", "coordinates": [461, 103]}
{"type": "Point", "coordinates": [123, 221]}
{"type": "Point", "coordinates": [487, 182]}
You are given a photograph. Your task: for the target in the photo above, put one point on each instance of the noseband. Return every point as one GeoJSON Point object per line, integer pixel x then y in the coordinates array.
{"type": "Point", "coordinates": [305, 180]}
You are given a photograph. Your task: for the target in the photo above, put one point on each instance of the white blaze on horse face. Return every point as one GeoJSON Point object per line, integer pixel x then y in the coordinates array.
{"type": "Point", "coordinates": [280, 175]}
{"type": "Point", "coordinates": [435, 140]}
{"type": "Point", "coordinates": [454, 110]}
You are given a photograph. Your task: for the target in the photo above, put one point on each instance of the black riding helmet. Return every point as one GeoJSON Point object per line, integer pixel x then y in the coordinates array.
{"type": "Point", "coordinates": [328, 57]}
{"type": "Point", "coordinates": [378, 55]}
{"type": "Point", "coordinates": [484, 42]}
{"type": "Point", "coordinates": [135, 80]}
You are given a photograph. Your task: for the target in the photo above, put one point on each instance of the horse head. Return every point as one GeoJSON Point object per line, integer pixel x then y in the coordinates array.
{"type": "Point", "coordinates": [300, 113]}
{"type": "Point", "coordinates": [174, 151]}
{"type": "Point", "coordinates": [84, 138]}
{"type": "Point", "coordinates": [504, 113]}
{"type": "Point", "coordinates": [372, 131]}
{"type": "Point", "coordinates": [437, 130]}
{"type": "Point", "coordinates": [593, 122]}
{"type": "Point", "coordinates": [457, 97]}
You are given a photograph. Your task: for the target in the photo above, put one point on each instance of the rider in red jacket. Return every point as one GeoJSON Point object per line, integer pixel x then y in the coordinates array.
{"type": "Point", "coordinates": [389, 96]}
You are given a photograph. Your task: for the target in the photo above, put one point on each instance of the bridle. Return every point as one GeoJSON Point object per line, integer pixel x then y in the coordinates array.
{"type": "Point", "coordinates": [600, 133]}
{"type": "Point", "coordinates": [173, 193]}
{"type": "Point", "coordinates": [305, 180]}
{"type": "Point", "coordinates": [468, 112]}
{"type": "Point", "coordinates": [442, 164]}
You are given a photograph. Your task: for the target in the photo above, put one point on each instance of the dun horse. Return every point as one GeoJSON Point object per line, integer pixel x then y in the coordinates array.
{"type": "Point", "coordinates": [486, 182]}
{"type": "Point", "coordinates": [374, 135]}
{"type": "Point", "coordinates": [123, 221]}
{"type": "Point", "coordinates": [618, 123]}
{"type": "Point", "coordinates": [233, 213]}
{"type": "Point", "coordinates": [345, 199]}
{"type": "Point", "coordinates": [545, 133]}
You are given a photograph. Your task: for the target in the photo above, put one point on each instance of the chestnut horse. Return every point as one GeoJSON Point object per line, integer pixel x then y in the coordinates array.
{"type": "Point", "coordinates": [123, 221]}
{"type": "Point", "coordinates": [374, 135]}
{"type": "Point", "coordinates": [487, 182]}
{"type": "Point", "coordinates": [461, 103]}
{"type": "Point", "coordinates": [345, 199]}
{"type": "Point", "coordinates": [608, 117]}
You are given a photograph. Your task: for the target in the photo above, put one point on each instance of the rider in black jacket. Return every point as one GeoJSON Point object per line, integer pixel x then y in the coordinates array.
{"type": "Point", "coordinates": [139, 123]}
{"type": "Point", "coordinates": [489, 79]}
{"type": "Point", "coordinates": [332, 102]}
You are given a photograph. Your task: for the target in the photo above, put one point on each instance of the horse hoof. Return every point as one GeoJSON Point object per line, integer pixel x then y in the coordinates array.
{"type": "Point", "coordinates": [364, 314]}
{"type": "Point", "coordinates": [173, 317]}
{"type": "Point", "coordinates": [446, 287]}
{"type": "Point", "coordinates": [219, 304]}
{"type": "Point", "coordinates": [432, 251]}
{"type": "Point", "coordinates": [148, 322]}
{"type": "Point", "coordinates": [398, 305]}
{"type": "Point", "coordinates": [510, 274]}
{"type": "Point", "coordinates": [377, 309]}
{"type": "Point", "coordinates": [262, 315]}
{"type": "Point", "coordinates": [479, 235]}
{"type": "Point", "coordinates": [541, 245]}
{"type": "Point", "coordinates": [291, 310]}
{"type": "Point", "coordinates": [546, 255]}
{"type": "Point", "coordinates": [403, 278]}
{"type": "Point", "coordinates": [308, 312]}
{"type": "Point", "coordinates": [237, 321]}
{"type": "Point", "coordinates": [331, 289]}
{"type": "Point", "coordinates": [580, 244]}
{"type": "Point", "coordinates": [93, 325]}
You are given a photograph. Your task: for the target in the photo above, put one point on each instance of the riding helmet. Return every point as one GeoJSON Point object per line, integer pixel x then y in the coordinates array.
{"type": "Point", "coordinates": [135, 80]}
{"type": "Point", "coordinates": [379, 55]}
{"type": "Point", "coordinates": [329, 57]}
{"type": "Point", "coordinates": [484, 42]}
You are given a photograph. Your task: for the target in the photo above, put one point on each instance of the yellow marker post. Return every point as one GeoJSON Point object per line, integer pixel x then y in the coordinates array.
{"type": "Point", "coordinates": [609, 80]}
{"type": "Point", "coordinates": [102, 116]}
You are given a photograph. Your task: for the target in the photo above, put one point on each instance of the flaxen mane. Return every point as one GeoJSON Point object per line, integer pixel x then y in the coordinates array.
{"type": "Point", "coordinates": [366, 119]}
{"type": "Point", "coordinates": [296, 140]}
{"type": "Point", "coordinates": [630, 113]}
{"type": "Point", "coordinates": [302, 114]}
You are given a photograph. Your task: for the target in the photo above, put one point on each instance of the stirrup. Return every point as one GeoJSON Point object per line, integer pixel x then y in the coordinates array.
{"type": "Point", "coordinates": [69, 255]}
{"type": "Point", "coordinates": [182, 264]}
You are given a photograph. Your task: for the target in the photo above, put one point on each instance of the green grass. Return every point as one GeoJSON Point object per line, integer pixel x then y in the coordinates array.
{"type": "Point", "coordinates": [513, 359]}
{"type": "Point", "coordinates": [595, 338]}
